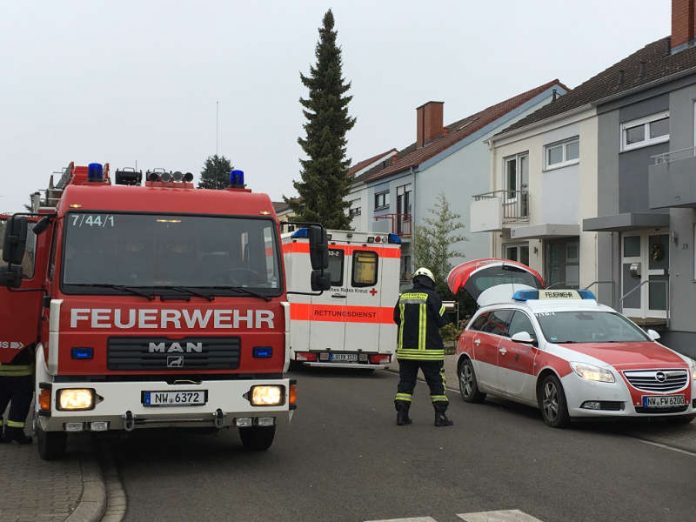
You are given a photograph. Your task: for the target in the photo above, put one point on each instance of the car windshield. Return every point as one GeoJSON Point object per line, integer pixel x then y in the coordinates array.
{"type": "Point", "coordinates": [588, 327]}
{"type": "Point", "coordinates": [103, 252]}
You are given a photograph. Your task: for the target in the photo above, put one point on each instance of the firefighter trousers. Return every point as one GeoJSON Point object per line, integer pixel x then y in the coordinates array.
{"type": "Point", "coordinates": [17, 392]}
{"type": "Point", "coordinates": [434, 373]}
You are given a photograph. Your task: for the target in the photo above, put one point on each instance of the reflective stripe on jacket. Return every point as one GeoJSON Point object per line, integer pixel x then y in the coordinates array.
{"type": "Point", "coordinates": [420, 315]}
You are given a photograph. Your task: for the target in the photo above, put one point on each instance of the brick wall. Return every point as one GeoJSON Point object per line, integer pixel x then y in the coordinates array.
{"type": "Point", "coordinates": [683, 21]}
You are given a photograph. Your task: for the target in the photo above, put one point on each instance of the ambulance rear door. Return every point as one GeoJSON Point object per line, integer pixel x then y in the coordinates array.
{"type": "Point", "coordinates": [327, 326]}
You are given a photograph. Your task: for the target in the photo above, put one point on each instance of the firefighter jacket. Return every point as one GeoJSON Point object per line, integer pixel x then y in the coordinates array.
{"type": "Point", "coordinates": [21, 366]}
{"type": "Point", "coordinates": [420, 314]}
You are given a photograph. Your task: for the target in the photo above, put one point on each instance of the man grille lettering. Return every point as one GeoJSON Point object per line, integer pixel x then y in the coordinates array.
{"type": "Point", "coordinates": [175, 347]}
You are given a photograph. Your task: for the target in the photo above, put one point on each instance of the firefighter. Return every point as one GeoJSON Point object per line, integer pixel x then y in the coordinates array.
{"type": "Point", "coordinates": [16, 389]}
{"type": "Point", "coordinates": [419, 313]}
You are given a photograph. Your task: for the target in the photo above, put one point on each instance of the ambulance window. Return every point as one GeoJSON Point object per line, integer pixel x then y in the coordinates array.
{"type": "Point", "coordinates": [336, 267]}
{"type": "Point", "coordinates": [364, 269]}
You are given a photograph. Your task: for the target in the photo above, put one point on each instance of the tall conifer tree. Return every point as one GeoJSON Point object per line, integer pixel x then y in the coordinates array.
{"type": "Point", "coordinates": [325, 181]}
{"type": "Point", "coordinates": [215, 173]}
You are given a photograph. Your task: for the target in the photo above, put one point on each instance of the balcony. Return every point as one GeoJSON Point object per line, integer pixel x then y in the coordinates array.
{"type": "Point", "coordinates": [494, 210]}
{"type": "Point", "coordinates": [400, 224]}
{"type": "Point", "coordinates": [672, 179]}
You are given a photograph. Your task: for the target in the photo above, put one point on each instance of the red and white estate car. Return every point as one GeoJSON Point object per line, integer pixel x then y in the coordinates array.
{"type": "Point", "coordinates": [562, 351]}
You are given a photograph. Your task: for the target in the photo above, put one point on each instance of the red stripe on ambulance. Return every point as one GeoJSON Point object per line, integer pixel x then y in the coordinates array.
{"type": "Point", "coordinates": [342, 314]}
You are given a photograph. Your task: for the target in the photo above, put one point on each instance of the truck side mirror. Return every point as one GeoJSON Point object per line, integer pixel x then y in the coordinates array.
{"type": "Point", "coordinates": [11, 276]}
{"type": "Point", "coordinates": [15, 241]}
{"type": "Point", "coordinates": [318, 248]}
{"type": "Point", "coordinates": [320, 281]}
{"type": "Point", "coordinates": [41, 225]}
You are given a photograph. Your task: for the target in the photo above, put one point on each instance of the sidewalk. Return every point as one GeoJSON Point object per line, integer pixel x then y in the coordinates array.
{"type": "Point", "coordinates": [675, 436]}
{"type": "Point", "coordinates": [31, 489]}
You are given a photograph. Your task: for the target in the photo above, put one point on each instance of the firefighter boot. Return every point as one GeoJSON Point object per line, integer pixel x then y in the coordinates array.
{"type": "Point", "coordinates": [402, 417]}
{"type": "Point", "coordinates": [16, 435]}
{"type": "Point", "coordinates": [440, 416]}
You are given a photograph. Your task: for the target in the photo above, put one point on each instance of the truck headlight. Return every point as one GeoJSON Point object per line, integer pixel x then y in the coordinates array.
{"type": "Point", "coordinates": [267, 395]}
{"type": "Point", "coordinates": [75, 399]}
{"type": "Point", "coordinates": [591, 372]}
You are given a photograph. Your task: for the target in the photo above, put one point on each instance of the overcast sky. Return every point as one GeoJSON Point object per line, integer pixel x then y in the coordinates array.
{"type": "Point", "coordinates": [129, 81]}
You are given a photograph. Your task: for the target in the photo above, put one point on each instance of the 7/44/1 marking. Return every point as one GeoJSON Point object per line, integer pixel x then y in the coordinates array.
{"type": "Point", "coordinates": [93, 220]}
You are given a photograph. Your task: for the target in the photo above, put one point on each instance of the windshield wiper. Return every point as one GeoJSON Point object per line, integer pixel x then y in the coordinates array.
{"type": "Point", "coordinates": [240, 290]}
{"type": "Point", "coordinates": [125, 288]}
{"type": "Point", "coordinates": [191, 291]}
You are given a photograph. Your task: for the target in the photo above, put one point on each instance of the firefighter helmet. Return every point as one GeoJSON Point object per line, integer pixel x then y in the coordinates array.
{"type": "Point", "coordinates": [422, 271]}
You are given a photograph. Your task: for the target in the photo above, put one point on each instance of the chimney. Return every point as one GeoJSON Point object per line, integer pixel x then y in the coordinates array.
{"type": "Point", "coordinates": [429, 124]}
{"type": "Point", "coordinates": [683, 24]}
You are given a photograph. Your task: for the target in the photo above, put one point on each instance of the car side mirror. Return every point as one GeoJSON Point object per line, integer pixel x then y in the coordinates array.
{"type": "Point", "coordinates": [523, 337]}
{"type": "Point", "coordinates": [318, 247]}
{"type": "Point", "coordinates": [11, 276]}
{"type": "Point", "coordinates": [320, 281]}
{"type": "Point", "coordinates": [654, 336]}
{"type": "Point", "coordinates": [15, 240]}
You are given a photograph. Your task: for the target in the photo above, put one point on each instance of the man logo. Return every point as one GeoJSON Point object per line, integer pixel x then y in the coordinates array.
{"type": "Point", "coordinates": [175, 347]}
{"type": "Point", "coordinates": [175, 361]}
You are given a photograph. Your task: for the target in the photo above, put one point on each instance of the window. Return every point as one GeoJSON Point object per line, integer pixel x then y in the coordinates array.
{"type": "Point", "coordinates": [336, 266]}
{"type": "Point", "coordinates": [645, 131]}
{"type": "Point", "coordinates": [364, 269]}
{"type": "Point", "coordinates": [381, 200]}
{"type": "Point", "coordinates": [518, 253]}
{"type": "Point", "coordinates": [498, 323]}
{"type": "Point", "coordinates": [516, 174]}
{"type": "Point", "coordinates": [563, 153]}
{"type": "Point", "coordinates": [521, 323]}
{"type": "Point", "coordinates": [354, 209]}
{"type": "Point", "coordinates": [478, 323]}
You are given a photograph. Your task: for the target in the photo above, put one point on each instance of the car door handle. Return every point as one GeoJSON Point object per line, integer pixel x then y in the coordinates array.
{"type": "Point", "coordinates": [339, 296]}
{"type": "Point", "coordinates": [477, 342]}
{"type": "Point", "coordinates": [502, 350]}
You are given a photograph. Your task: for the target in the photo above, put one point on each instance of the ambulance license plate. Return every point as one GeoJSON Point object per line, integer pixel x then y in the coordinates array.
{"type": "Point", "coordinates": [669, 401]}
{"type": "Point", "coordinates": [344, 357]}
{"type": "Point", "coordinates": [175, 398]}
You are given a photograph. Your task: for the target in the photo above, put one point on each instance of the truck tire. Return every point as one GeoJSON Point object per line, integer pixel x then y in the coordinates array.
{"type": "Point", "coordinates": [257, 438]}
{"type": "Point", "coordinates": [51, 444]}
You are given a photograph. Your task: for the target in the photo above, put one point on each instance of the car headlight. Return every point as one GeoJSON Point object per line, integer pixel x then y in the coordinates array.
{"type": "Point", "coordinates": [75, 399]}
{"type": "Point", "coordinates": [692, 365]}
{"type": "Point", "coordinates": [264, 395]}
{"type": "Point", "coordinates": [591, 372]}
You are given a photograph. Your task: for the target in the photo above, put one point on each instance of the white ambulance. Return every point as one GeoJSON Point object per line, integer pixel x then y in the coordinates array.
{"type": "Point", "coordinates": [350, 325]}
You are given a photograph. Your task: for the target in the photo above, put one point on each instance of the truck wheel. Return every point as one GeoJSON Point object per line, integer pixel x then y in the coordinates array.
{"type": "Point", "coordinates": [258, 438]}
{"type": "Point", "coordinates": [51, 444]}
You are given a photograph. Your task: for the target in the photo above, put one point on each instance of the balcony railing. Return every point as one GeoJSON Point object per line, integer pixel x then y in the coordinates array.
{"type": "Point", "coordinates": [675, 155]}
{"type": "Point", "coordinates": [514, 203]}
{"type": "Point", "coordinates": [401, 224]}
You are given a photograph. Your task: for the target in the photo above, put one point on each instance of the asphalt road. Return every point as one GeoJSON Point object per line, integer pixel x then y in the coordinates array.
{"type": "Point", "coordinates": [344, 459]}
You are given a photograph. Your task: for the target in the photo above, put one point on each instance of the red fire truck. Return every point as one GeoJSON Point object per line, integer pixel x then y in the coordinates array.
{"type": "Point", "coordinates": [150, 306]}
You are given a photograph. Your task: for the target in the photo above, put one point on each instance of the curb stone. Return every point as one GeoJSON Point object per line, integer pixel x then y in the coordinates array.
{"type": "Point", "coordinates": [93, 500]}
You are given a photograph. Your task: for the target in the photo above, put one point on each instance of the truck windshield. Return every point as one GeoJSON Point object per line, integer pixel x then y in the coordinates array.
{"type": "Point", "coordinates": [159, 251]}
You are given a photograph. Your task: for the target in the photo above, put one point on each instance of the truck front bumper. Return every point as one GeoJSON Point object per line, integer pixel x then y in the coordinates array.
{"type": "Point", "coordinates": [121, 406]}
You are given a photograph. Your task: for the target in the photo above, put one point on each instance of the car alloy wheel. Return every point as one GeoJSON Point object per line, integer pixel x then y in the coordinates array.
{"type": "Point", "coordinates": [552, 402]}
{"type": "Point", "coordinates": [468, 385]}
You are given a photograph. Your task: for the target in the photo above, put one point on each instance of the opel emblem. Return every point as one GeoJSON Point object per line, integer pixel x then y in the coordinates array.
{"type": "Point", "coordinates": [660, 377]}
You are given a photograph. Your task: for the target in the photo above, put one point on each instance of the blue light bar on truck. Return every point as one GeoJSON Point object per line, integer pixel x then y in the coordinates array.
{"type": "Point", "coordinates": [394, 239]}
{"type": "Point", "coordinates": [95, 172]}
{"type": "Point", "coordinates": [528, 295]}
{"type": "Point", "coordinates": [237, 178]}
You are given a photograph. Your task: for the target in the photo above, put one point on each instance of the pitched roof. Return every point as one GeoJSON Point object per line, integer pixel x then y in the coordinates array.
{"type": "Point", "coordinates": [412, 155]}
{"type": "Point", "coordinates": [280, 206]}
{"type": "Point", "coordinates": [652, 62]}
{"type": "Point", "coordinates": [364, 163]}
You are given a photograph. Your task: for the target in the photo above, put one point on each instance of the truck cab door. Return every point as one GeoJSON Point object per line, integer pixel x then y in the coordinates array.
{"type": "Point", "coordinates": [20, 308]}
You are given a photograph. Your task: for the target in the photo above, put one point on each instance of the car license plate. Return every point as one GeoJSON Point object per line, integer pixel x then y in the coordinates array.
{"type": "Point", "coordinates": [344, 357]}
{"type": "Point", "coordinates": [669, 401]}
{"type": "Point", "coordinates": [175, 398]}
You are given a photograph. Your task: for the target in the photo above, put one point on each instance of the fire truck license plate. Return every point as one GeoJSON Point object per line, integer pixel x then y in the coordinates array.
{"type": "Point", "coordinates": [344, 357]}
{"type": "Point", "coordinates": [669, 401]}
{"type": "Point", "coordinates": [175, 398]}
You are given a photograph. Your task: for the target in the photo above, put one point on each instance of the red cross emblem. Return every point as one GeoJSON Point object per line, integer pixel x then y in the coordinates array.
{"type": "Point", "coordinates": [373, 292]}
